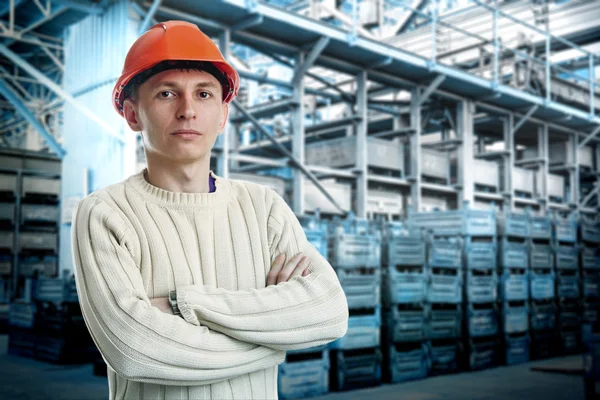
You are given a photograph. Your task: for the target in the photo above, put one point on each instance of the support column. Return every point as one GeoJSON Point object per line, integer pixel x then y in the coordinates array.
{"type": "Point", "coordinates": [509, 159]}
{"type": "Point", "coordinates": [223, 139]}
{"type": "Point", "coordinates": [361, 145]}
{"type": "Point", "coordinates": [466, 175]}
{"type": "Point", "coordinates": [415, 150]}
{"type": "Point", "coordinates": [544, 167]}
{"type": "Point", "coordinates": [574, 172]}
{"type": "Point", "coordinates": [298, 132]}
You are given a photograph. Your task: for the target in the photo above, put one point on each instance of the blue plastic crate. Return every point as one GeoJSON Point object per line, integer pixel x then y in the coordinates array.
{"type": "Point", "coordinates": [318, 239]}
{"type": "Point", "coordinates": [55, 290]}
{"type": "Point", "coordinates": [514, 284]}
{"type": "Point", "coordinates": [514, 225]}
{"type": "Point", "coordinates": [404, 362]}
{"type": "Point", "coordinates": [567, 284]}
{"type": "Point", "coordinates": [513, 253]}
{"type": "Point", "coordinates": [567, 257]}
{"type": "Point", "coordinates": [443, 321]}
{"type": "Point", "coordinates": [404, 285]}
{"type": "Point", "coordinates": [540, 227]}
{"type": "Point", "coordinates": [590, 229]}
{"type": "Point", "coordinates": [516, 349]}
{"type": "Point", "coordinates": [21, 314]}
{"type": "Point", "coordinates": [481, 286]}
{"type": "Point", "coordinates": [481, 255]}
{"type": "Point", "coordinates": [444, 253]}
{"type": "Point", "coordinates": [590, 256]}
{"type": "Point", "coordinates": [364, 327]}
{"type": "Point", "coordinates": [405, 323]}
{"type": "Point", "coordinates": [542, 315]}
{"type": "Point", "coordinates": [543, 344]}
{"type": "Point", "coordinates": [570, 341]}
{"type": "Point", "coordinates": [354, 251]}
{"type": "Point", "coordinates": [565, 229]}
{"type": "Point", "coordinates": [515, 317]}
{"type": "Point", "coordinates": [465, 222]}
{"type": "Point", "coordinates": [356, 368]}
{"type": "Point", "coordinates": [445, 286]}
{"type": "Point", "coordinates": [591, 311]}
{"type": "Point", "coordinates": [404, 250]}
{"type": "Point", "coordinates": [591, 284]}
{"type": "Point", "coordinates": [541, 283]}
{"type": "Point", "coordinates": [361, 286]}
{"type": "Point", "coordinates": [482, 320]}
{"type": "Point", "coordinates": [304, 376]}
{"type": "Point", "coordinates": [443, 356]}
{"type": "Point", "coordinates": [568, 317]}
{"type": "Point", "coordinates": [483, 353]}
{"type": "Point", "coordinates": [540, 255]}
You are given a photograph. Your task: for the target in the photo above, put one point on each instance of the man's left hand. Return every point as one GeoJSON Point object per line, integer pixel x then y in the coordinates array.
{"type": "Point", "coordinates": [162, 303]}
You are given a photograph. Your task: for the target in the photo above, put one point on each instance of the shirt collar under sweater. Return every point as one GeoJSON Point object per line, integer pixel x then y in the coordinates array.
{"type": "Point", "coordinates": [220, 196]}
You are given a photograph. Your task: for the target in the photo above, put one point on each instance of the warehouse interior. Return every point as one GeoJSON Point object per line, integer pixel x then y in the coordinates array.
{"type": "Point", "coordinates": [442, 155]}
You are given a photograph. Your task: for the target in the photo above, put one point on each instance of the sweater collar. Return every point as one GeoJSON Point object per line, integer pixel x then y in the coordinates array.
{"type": "Point", "coordinates": [219, 197]}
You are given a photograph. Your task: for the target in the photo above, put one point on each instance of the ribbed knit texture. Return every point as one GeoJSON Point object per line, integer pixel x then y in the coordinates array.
{"type": "Point", "coordinates": [133, 242]}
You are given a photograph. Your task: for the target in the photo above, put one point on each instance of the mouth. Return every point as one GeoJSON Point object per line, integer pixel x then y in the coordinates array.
{"type": "Point", "coordinates": [186, 132]}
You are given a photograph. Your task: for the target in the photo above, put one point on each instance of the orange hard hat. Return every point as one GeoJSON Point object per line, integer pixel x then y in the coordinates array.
{"type": "Point", "coordinates": [174, 41]}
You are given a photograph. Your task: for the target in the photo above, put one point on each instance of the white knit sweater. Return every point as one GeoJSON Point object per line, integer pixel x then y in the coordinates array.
{"type": "Point", "coordinates": [133, 242]}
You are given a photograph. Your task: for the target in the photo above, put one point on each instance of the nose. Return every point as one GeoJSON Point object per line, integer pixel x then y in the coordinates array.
{"type": "Point", "coordinates": [186, 108]}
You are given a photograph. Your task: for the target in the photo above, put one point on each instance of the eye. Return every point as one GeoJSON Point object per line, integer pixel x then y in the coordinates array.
{"type": "Point", "coordinates": [204, 95]}
{"type": "Point", "coordinates": [165, 94]}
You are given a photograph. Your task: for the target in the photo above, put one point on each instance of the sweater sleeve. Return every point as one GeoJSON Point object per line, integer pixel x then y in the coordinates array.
{"type": "Point", "coordinates": [137, 340]}
{"type": "Point", "coordinates": [300, 313]}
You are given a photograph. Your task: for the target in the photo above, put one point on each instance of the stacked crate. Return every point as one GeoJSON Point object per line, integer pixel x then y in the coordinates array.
{"type": "Point", "coordinates": [305, 373]}
{"type": "Point", "coordinates": [480, 297]}
{"type": "Point", "coordinates": [444, 299]}
{"type": "Point", "coordinates": [513, 269]}
{"type": "Point", "coordinates": [47, 324]}
{"type": "Point", "coordinates": [590, 269]}
{"type": "Point", "coordinates": [8, 195]}
{"type": "Point", "coordinates": [468, 234]}
{"type": "Point", "coordinates": [355, 253]}
{"type": "Point", "coordinates": [62, 335]}
{"type": "Point", "coordinates": [39, 218]}
{"type": "Point", "coordinates": [404, 276]}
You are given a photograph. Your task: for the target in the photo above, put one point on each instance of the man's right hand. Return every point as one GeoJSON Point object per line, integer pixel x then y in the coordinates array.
{"type": "Point", "coordinates": [282, 272]}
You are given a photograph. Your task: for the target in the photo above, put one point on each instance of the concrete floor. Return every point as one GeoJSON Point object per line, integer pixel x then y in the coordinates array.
{"type": "Point", "coordinates": [26, 379]}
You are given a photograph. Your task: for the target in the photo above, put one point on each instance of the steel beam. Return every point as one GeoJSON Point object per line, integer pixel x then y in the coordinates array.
{"type": "Point", "coordinates": [519, 124]}
{"type": "Point", "coordinates": [589, 137]}
{"type": "Point", "coordinates": [592, 193]}
{"type": "Point", "coordinates": [17, 102]}
{"type": "Point", "coordinates": [415, 150]}
{"type": "Point", "coordinates": [466, 175]}
{"type": "Point", "coordinates": [431, 88]}
{"type": "Point", "coordinates": [148, 17]}
{"type": "Point", "coordinates": [223, 138]}
{"type": "Point", "coordinates": [361, 145]}
{"type": "Point", "coordinates": [250, 21]}
{"type": "Point", "coordinates": [82, 5]}
{"type": "Point", "coordinates": [317, 49]}
{"type": "Point", "coordinates": [286, 152]}
{"type": "Point", "coordinates": [298, 131]}
{"type": "Point", "coordinates": [58, 90]}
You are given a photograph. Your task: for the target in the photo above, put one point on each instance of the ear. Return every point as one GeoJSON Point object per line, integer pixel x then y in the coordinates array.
{"type": "Point", "coordinates": [130, 110]}
{"type": "Point", "coordinates": [224, 114]}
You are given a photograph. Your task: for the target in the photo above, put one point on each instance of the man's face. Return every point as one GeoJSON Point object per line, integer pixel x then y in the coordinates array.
{"type": "Point", "coordinates": [180, 113]}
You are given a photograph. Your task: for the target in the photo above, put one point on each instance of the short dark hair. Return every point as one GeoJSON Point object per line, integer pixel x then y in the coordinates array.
{"type": "Point", "coordinates": [131, 90]}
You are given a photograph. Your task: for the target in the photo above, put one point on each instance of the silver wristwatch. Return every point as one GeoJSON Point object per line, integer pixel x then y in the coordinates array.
{"type": "Point", "coordinates": [173, 301]}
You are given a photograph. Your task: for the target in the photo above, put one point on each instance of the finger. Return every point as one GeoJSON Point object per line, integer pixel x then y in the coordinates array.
{"type": "Point", "coordinates": [275, 268]}
{"type": "Point", "coordinates": [301, 268]}
{"type": "Point", "coordinates": [306, 272]}
{"type": "Point", "coordinates": [286, 271]}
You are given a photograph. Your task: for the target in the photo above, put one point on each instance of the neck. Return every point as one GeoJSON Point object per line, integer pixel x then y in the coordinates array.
{"type": "Point", "coordinates": [181, 178]}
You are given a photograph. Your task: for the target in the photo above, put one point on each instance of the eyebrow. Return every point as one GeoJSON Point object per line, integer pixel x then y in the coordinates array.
{"type": "Point", "coordinates": [175, 85]}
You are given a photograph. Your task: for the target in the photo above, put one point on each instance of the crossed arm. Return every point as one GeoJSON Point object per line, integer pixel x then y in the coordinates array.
{"type": "Point", "coordinates": [224, 334]}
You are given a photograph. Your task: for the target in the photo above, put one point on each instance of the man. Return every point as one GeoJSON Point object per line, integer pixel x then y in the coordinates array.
{"type": "Point", "coordinates": [182, 274]}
